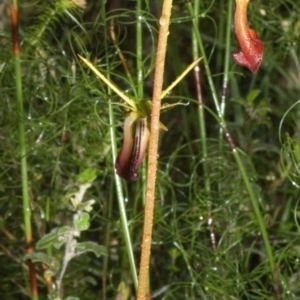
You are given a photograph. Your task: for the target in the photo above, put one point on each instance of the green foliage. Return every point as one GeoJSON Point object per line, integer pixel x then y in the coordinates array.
{"type": "Point", "coordinates": [67, 236]}
{"type": "Point", "coordinates": [56, 238]}
{"type": "Point", "coordinates": [206, 241]}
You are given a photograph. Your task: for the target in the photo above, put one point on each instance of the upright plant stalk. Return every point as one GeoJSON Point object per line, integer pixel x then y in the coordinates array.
{"type": "Point", "coordinates": [118, 182]}
{"type": "Point", "coordinates": [22, 145]}
{"type": "Point", "coordinates": [235, 152]}
{"type": "Point", "coordinates": [121, 200]}
{"type": "Point", "coordinates": [197, 70]}
{"type": "Point", "coordinates": [201, 119]}
{"type": "Point", "coordinates": [139, 50]}
{"type": "Point", "coordinates": [153, 146]}
{"type": "Point", "coordinates": [226, 57]}
{"type": "Point", "coordinates": [140, 76]}
{"type": "Point", "coordinates": [226, 69]}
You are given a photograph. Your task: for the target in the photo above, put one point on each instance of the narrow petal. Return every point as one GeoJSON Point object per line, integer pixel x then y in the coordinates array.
{"type": "Point", "coordinates": [136, 137]}
{"type": "Point", "coordinates": [250, 54]}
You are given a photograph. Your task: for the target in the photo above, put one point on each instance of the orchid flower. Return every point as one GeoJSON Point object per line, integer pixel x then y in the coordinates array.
{"type": "Point", "coordinates": [136, 126]}
{"type": "Point", "coordinates": [250, 54]}
{"type": "Point", "coordinates": [135, 144]}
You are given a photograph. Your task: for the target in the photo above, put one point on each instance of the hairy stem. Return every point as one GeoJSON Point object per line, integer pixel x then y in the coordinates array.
{"type": "Point", "coordinates": [153, 146]}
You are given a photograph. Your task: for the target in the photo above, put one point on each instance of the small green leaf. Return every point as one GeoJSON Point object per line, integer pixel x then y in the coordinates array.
{"type": "Point", "coordinates": [252, 95]}
{"type": "Point", "coordinates": [55, 238]}
{"type": "Point", "coordinates": [87, 176]}
{"type": "Point", "coordinates": [82, 222]}
{"type": "Point", "coordinates": [50, 261]}
{"type": "Point", "coordinates": [98, 250]}
{"type": "Point", "coordinates": [87, 205]}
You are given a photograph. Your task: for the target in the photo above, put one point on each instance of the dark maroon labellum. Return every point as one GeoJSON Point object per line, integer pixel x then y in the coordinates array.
{"type": "Point", "coordinates": [136, 137]}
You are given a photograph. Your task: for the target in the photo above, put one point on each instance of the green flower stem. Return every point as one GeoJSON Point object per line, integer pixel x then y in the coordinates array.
{"type": "Point", "coordinates": [205, 61]}
{"type": "Point", "coordinates": [140, 78]}
{"type": "Point", "coordinates": [22, 146]}
{"type": "Point", "coordinates": [253, 198]}
{"type": "Point", "coordinates": [121, 199]}
{"type": "Point", "coordinates": [226, 69]}
{"type": "Point", "coordinates": [140, 92]}
{"type": "Point", "coordinates": [164, 22]}
{"type": "Point", "coordinates": [118, 182]}
{"type": "Point", "coordinates": [201, 117]}
{"type": "Point", "coordinates": [139, 50]}
{"type": "Point", "coordinates": [256, 209]}
{"type": "Point", "coordinates": [227, 56]}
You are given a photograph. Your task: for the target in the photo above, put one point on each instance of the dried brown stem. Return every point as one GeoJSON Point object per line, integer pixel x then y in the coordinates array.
{"type": "Point", "coordinates": [14, 19]}
{"type": "Point", "coordinates": [114, 40]}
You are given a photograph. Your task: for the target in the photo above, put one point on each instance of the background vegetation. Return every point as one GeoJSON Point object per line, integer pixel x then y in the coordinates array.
{"type": "Point", "coordinates": [207, 243]}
